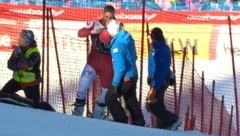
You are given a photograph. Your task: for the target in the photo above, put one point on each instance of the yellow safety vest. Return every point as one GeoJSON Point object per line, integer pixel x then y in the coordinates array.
{"type": "Point", "coordinates": [23, 76]}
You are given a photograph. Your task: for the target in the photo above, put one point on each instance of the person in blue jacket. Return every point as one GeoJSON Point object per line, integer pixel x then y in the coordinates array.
{"type": "Point", "coordinates": [160, 77]}
{"type": "Point", "coordinates": [123, 52]}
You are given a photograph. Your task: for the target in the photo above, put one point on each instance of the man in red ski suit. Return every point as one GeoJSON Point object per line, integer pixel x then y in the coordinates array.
{"type": "Point", "coordinates": [99, 63]}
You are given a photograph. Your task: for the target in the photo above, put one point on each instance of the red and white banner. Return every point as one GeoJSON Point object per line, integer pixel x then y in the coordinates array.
{"type": "Point", "coordinates": [206, 30]}
{"type": "Point", "coordinates": [133, 16]}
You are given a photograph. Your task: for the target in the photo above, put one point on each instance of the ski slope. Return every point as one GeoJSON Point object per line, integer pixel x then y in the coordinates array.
{"type": "Point", "coordinates": [22, 121]}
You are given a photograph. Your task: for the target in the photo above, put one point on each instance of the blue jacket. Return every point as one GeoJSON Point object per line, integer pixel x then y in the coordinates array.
{"type": "Point", "coordinates": [124, 57]}
{"type": "Point", "coordinates": [159, 62]}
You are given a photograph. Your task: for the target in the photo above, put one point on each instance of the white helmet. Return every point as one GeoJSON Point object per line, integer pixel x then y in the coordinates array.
{"type": "Point", "coordinates": [113, 27]}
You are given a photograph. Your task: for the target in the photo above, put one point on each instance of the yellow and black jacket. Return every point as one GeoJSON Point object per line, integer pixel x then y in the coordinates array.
{"type": "Point", "coordinates": [25, 64]}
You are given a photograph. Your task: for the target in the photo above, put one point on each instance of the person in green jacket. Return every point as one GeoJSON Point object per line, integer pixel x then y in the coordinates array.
{"type": "Point", "coordinates": [25, 63]}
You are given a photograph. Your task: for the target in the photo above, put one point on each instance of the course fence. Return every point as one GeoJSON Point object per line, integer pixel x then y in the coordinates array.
{"type": "Point", "coordinates": [205, 48]}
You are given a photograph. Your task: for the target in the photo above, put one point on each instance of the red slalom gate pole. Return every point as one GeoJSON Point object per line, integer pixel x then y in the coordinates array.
{"type": "Point", "coordinates": [58, 63]}
{"type": "Point", "coordinates": [174, 71]}
{"type": "Point", "coordinates": [234, 75]}
{"type": "Point", "coordinates": [142, 52]}
{"type": "Point", "coordinates": [193, 80]}
{"type": "Point", "coordinates": [221, 116]}
{"type": "Point", "coordinates": [202, 102]}
{"type": "Point", "coordinates": [47, 67]}
{"type": "Point", "coordinates": [43, 48]}
{"type": "Point", "coordinates": [230, 122]}
{"type": "Point", "coordinates": [181, 80]}
{"type": "Point", "coordinates": [212, 104]}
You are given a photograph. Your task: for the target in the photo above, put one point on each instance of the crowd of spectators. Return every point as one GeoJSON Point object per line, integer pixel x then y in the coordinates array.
{"type": "Point", "coordinates": [163, 5]}
{"type": "Point", "coordinates": [199, 5]}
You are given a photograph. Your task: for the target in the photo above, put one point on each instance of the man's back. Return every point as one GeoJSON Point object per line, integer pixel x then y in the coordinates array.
{"type": "Point", "coordinates": [123, 53]}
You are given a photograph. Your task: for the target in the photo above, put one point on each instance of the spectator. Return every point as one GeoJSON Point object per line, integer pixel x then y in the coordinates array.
{"type": "Point", "coordinates": [159, 73]}
{"type": "Point", "coordinates": [25, 64]}
{"type": "Point", "coordinates": [99, 62]}
{"type": "Point", "coordinates": [125, 77]}
{"type": "Point", "coordinates": [164, 4]}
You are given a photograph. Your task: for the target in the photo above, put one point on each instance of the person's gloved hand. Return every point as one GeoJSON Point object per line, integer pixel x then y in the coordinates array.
{"type": "Point", "coordinates": [151, 96]}
{"type": "Point", "coordinates": [113, 89]}
{"type": "Point", "coordinates": [149, 81]}
{"type": "Point", "coordinates": [148, 107]}
{"type": "Point", "coordinates": [22, 66]}
{"type": "Point", "coordinates": [16, 50]}
{"type": "Point", "coordinates": [18, 53]}
{"type": "Point", "coordinates": [111, 95]}
{"type": "Point", "coordinates": [172, 78]}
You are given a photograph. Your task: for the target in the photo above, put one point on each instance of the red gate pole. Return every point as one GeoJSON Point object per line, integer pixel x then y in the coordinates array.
{"type": "Point", "coordinates": [181, 80]}
{"type": "Point", "coordinates": [58, 62]}
{"type": "Point", "coordinates": [174, 71]}
{"type": "Point", "coordinates": [88, 95]}
{"type": "Point", "coordinates": [221, 116]}
{"type": "Point", "coordinates": [193, 79]}
{"type": "Point", "coordinates": [47, 50]}
{"type": "Point", "coordinates": [43, 48]}
{"type": "Point", "coordinates": [234, 75]}
{"type": "Point", "coordinates": [230, 122]}
{"type": "Point", "coordinates": [142, 52]}
{"type": "Point", "coordinates": [212, 105]}
{"type": "Point", "coordinates": [187, 120]}
{"type": "Point", "coordinates": [202, 102]}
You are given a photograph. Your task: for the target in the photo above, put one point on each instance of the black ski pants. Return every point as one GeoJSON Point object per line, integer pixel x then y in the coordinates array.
{"type": "Point", "coordinates": [128, 91]}
{"type": "Point", "coordinates": [32, 92]}
{"type": "Point", "coordinates": [164, 117]}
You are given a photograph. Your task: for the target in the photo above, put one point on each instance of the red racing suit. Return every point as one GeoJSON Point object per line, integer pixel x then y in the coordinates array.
{"type": "Point", "coordinates": [99, 57]}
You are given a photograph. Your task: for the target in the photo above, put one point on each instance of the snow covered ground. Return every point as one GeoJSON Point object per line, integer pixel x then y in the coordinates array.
{"type": "Point", "coordinates": [22, 121]}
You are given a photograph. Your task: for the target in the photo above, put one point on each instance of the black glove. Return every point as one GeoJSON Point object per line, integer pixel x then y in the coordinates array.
{"type": "Point", "coordinates": [22, 66]}
{"type": "Point", "coordinates": [149, 81]}
{"type": "Point", "coordinates": [114, 90]}
{"type": "Point", "coordinates": [148, 107]}
{"type": "Point", "coordinates": [16, 50]}
{"type": "Point", "coordinates": [111, 95]}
